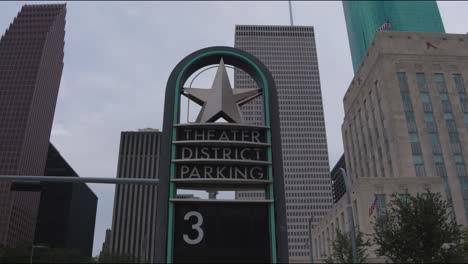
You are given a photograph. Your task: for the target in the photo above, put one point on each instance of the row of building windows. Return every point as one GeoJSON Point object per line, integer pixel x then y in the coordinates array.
{"type": "Point", "coordinates": [411, 125]}
{"type": "Point", "coordinates": [431, 126]}
{"type": "Point", "coordinates": [259, 41]}
{"type": "Point", "coordinates": [361, 130]}
{"type": "Point", "coordinates": [356, 142]}
{"type": "Point", "coordinates": [275, 34]}
{"type": "Point", "coordinates": [451, 126]}
{"type": "Point", "coordinates": [307, 203]}
{"type": "Point", "coordinates": [40, 10]}
{"type": "Point", "coordinates": [274, 48]}
{"type": "Point", "coordinates": [457, 155]}
{"type": "Point", "coordinates": [134, 144]}
{"type": "Point", "coordinates": [274, 28]}
{"type": "Point", "coordinates": [305, 152]}
{"type": "Point", "coordinates": [260, 51]}
{"type": "Point", "coordinates": [460, 87]}
{"type": "Point", "coordinates": [306, 180]}
{"type": "Point", "coordinates": [385, 138]}
{"type": "Point", "coordinates": [301, 108]}
{"type": "Point", "coordinates": [309, 213]}
{"type": "Point", "coordinates": [252, 42]}
{"type": "Point", "coordinates": [301, 172]}
{"type": "Point", "coordinates": [297, 124]}
{"type": "Point", "coordinates": [291, 190]}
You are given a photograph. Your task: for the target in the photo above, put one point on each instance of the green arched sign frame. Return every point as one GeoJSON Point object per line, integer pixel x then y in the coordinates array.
{"type": "Point", "coordinates": [275, 191]}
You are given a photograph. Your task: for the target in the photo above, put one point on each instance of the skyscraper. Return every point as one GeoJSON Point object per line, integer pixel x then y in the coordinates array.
{"type": "Point", "coordinates": [290, 54]}
{"type": "Point", "coordinates": [31, 63]}
{"type": "Point", "coordinates": [364, 18]}
{"type": "Point", "coordinates": [106, 244]}
{"type": "Point", "coordinates": [337, 177]}
{"type": "Point", "coordinates": [405, 129]}
{"type": "Point", "coordinates": [134, 217]}
{"type": "Point", "coordinates": [67, 211]}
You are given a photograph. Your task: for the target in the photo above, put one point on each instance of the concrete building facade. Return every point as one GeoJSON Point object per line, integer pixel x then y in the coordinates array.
{"type": "Point", "coordinates": [134, 216]}
{"type": "Point", "coordinates": [405, 126]}
{"type": "Point", "coordinates": [31, 63]}
{"type": "Point", "coordinates": [290, 54]}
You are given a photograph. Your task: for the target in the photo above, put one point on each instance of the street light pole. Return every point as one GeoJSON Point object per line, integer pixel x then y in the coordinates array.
{"type": "Point", "coordinates": [350, 215]}
{"type": "Point", "coordinates": [32, 252]}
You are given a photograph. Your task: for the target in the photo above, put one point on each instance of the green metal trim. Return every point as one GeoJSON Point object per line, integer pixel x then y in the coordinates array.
{"type": "Point", "coordinates": [270, 176]}
{"type": "Point", "coordinates": [174, 137]}
{"type": "Point", "coordinates": [171, 195]}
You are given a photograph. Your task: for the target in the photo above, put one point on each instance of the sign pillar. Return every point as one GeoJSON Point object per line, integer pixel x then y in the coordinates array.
{"type": "Point", "coordinates": [221, 156]}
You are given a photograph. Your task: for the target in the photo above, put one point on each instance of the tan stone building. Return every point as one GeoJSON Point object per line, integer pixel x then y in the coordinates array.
{"type": "Point", "coordinates": [405, 128]}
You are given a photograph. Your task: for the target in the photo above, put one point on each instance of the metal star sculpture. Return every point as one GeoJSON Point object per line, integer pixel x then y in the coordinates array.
{"type": "Point", "coordinates": [221, 100]}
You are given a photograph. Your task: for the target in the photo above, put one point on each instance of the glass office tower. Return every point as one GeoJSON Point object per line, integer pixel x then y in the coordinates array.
{"type": "Point", "coordinates": [364, 18]}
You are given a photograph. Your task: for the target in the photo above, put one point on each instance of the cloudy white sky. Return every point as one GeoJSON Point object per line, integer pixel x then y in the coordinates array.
{"type": "Point", "coordinates": [118, 56]}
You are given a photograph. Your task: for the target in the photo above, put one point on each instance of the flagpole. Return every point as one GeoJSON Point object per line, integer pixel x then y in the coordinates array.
{"type": "Point", "coordinates": [290, 13]}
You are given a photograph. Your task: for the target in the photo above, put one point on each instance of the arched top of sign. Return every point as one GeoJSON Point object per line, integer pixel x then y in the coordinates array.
{"type": "Point", "coordinates": [220, 55]}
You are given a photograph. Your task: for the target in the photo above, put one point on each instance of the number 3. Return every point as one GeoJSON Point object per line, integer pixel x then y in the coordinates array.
{"type": "Point", "coordinates": [195, 226]}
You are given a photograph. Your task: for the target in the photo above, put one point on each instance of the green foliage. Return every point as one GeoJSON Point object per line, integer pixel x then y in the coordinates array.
{"type": "Point", "coordinates": [60, 255]}
{"type": "Point", "coordinates": [22, 254]}
{"type": "Point", "coordinates": [342, 249]}
{"type": "Point", "coordinates": [418, 229]}
{"type": "Point", "coordinates": [19, 254]}
{"type": "Point", "coordinates": [115, 258]}
{"type": "Point", "coordinates": [465, 243]}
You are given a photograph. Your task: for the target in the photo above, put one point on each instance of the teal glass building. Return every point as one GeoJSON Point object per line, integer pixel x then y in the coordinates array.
{"type": "Point", "coordinates": [364, 18]}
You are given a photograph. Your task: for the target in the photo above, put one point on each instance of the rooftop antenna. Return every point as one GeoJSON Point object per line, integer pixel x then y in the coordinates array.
{"type": "Point", "coordinates": [290, 13]}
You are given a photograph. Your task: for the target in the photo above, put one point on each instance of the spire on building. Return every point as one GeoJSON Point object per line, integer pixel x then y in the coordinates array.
{"type": "Point", "coordinates": [290, 13]}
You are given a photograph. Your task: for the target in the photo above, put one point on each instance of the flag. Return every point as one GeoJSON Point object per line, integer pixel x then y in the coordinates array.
{"type": "Point", "coordinates": [385, 26]}
{"type": "Point", "coordinates": [373, 205]}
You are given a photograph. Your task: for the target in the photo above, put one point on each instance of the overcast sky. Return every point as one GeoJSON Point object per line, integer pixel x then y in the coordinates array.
{"type": "Point", "coordinates": [118, 56]}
